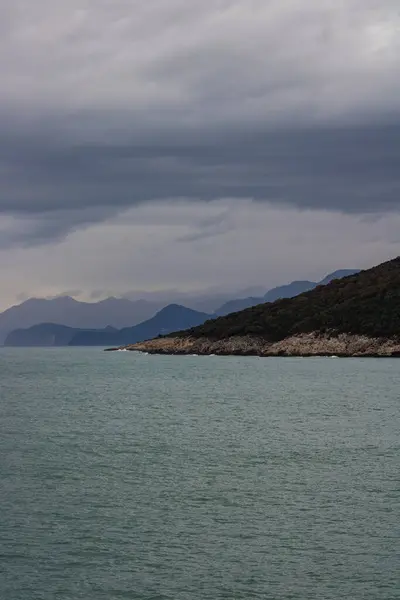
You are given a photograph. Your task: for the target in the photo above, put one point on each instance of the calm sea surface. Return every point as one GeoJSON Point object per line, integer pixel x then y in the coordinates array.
{"type": "Point", "coordinates": [204, 478]}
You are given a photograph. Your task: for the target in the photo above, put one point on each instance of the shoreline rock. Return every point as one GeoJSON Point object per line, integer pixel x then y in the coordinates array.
{"type": "Point", "coordinates": [303, 345]}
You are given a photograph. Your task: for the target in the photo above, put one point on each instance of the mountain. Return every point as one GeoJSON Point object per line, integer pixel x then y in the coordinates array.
{"type": "Point", "coordinates": [206, 300]}
{"type": "Point", "coordinates": [289, 290]}
{"type": "Point", "coordinates": [338, 275]}
{"type": "Point", "coordinates": [358, 315]}
{"type": "Point", "coordinates": [236, 305]}
{"type": "Point", "coordinates": [127, 312]}
{"type": "Point", "coordinates": [45, 334]}
{"type": "Point", "coordinates": [171, 318]}
{"type": "Point", "coordinates": [117, 312]}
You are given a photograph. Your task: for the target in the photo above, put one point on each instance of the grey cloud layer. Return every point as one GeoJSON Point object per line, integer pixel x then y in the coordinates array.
{"type": "Point", "coordinates": [260, 57]}
{"type": "Point", "coordinates": [106, 105]}
{"type": "Point", "coordinates": [352, 169]}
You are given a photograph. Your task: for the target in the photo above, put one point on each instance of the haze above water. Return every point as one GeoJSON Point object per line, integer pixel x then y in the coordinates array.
{"type": "Point", "coordinates": [198, 478]}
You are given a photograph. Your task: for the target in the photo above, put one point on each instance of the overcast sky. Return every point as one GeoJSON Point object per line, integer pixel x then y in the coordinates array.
{"type": "Point", "coordinates": [191, 145]}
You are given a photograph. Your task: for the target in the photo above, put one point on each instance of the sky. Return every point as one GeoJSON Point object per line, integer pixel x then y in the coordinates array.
{"type": "Point", "coordinates": [174, 145]}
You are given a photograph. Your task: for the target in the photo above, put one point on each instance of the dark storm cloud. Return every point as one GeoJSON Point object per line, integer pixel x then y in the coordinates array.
{"type": "Point", "coordinates": [352, 169]}
{"type": "Point", "coordinates": [107, 105]}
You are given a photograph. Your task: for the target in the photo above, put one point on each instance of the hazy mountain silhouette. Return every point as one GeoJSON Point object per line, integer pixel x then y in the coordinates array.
{"type": "Point", "coordinates": [169, 319]}
{"type": "Point", "coordinates": [117, 312]}
{"type": "Point", "coordinates": [338, 275]}
{"type": "Point", "coordinates": [284, 291]}
{"type": "Point", "coordinates": [123, 313]}
{"type": "Point", "coordinates": [45, 334]}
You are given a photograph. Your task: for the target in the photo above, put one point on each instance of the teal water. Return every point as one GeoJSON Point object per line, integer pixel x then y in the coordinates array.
{"type": "Point", "coordinates": [198, 478]}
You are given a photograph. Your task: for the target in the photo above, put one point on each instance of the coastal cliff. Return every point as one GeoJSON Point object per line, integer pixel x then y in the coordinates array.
{"type": "Point", "coordinates": [310, 344]}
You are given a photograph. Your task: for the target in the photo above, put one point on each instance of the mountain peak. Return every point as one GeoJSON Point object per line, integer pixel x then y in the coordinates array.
{"type": "Point", "coordinates": [172, 309]}
{"type": "Point", "coordinates": [339, 274]}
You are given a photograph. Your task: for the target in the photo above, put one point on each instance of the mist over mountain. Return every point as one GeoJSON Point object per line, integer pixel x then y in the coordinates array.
{"type": "Point", "coordinates": [208, 300]}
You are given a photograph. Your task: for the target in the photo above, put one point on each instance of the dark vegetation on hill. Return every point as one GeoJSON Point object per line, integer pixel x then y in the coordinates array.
{"type": "Point", "coordinates": [366, 304]}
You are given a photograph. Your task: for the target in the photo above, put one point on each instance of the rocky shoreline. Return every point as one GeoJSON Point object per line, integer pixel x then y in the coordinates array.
{"type": "Point", "coordinates": [303, 345]}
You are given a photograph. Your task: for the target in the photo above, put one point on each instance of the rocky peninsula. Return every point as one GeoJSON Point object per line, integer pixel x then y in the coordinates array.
{"type": "Point", "coordinates": [310, 344]}
{"type": "Point", "coordinates": [357, 315]}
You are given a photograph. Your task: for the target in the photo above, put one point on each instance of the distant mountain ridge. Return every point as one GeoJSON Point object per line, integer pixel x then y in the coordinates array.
{"type": "Point", "coordinates": [123, 313]}
{"type": "Point", "coordinates": [289, 290]}
{"type": "Point", "coordinates": [169, 319]}
{"type": "Point", "coordinates": [64, 310]}
{"type": "Point", "coordinates": [46, 335]}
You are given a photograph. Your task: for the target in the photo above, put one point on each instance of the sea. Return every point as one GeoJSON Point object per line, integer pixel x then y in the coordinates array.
{"type": "Point", "coordinates": [127, 476]}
